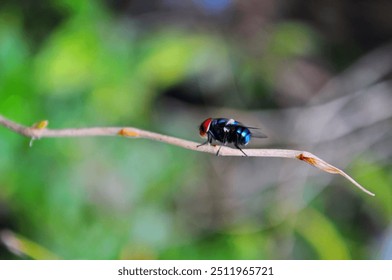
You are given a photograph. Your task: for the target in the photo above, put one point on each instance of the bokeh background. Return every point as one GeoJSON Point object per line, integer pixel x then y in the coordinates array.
{"type": "Point", "coordinates": [313, 75]}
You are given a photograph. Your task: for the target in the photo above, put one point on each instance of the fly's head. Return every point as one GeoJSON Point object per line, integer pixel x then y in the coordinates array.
{"type": "Point", "coordinates": [205, 127]}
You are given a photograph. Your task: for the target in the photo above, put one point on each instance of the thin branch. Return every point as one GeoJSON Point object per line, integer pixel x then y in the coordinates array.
{"type": "Point", "coordinates": [39, 130]}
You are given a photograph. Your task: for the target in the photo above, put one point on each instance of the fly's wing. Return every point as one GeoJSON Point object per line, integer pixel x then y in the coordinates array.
{"type": "Point", "coordinates": [257, 133]}
{"type": "Point", "coordinates": [221, 122]}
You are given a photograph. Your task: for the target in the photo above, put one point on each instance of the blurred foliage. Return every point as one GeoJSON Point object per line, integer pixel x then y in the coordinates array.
{"type": "Point", "coordinates": [107, 198]}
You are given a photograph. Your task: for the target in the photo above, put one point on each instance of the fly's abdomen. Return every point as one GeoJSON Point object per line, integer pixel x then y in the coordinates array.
{"type": "Point", "coordinates": [243, 135]}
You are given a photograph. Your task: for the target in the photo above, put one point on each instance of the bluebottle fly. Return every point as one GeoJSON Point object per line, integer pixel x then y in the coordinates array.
{"type": "Point", "coordinates": [227, 131]}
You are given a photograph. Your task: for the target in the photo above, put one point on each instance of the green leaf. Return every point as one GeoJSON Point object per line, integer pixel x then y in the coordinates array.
{"type": "Point", "coordinates": [322, 235]}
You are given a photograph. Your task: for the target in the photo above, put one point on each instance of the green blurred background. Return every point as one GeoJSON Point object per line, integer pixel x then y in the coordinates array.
{"type": "Point", "coordinates": [314, 76]}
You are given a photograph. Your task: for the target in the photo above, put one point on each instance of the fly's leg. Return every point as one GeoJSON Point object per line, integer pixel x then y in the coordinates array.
{"type": "Point", "coordinates": [217, 153]}
{"type": "Point", "coordinates": [208, 141]}
{"type": "Point", "coordinates": [202, 144]}
{"type": "Point", "coordinates": [236, 145]}
{"type": "Point", "coordinates": [224, 144]}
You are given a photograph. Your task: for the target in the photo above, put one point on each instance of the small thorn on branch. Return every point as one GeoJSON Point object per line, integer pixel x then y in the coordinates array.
{"type": "Point", "coordinates": [128, 133]}
{"type": "Point", "coordinates": [38, 126]}
{"type": "Point", "coordinates": [41, 124]}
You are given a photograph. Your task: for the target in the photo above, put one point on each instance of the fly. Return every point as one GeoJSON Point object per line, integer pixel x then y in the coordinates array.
{"type": "Point", "coordinates": [227, 131]}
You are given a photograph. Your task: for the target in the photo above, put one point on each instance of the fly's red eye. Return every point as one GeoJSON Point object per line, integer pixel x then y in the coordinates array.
{"type": "Point", "coordinates": [204, 127]}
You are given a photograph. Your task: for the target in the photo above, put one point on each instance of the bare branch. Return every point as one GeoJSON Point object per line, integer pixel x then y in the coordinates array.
{"type": "Point", "coordinates": [39, 130]}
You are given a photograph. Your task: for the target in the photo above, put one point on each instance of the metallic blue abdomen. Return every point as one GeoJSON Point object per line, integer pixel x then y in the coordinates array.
{"type": "Point", "coordinates": [243, 134]}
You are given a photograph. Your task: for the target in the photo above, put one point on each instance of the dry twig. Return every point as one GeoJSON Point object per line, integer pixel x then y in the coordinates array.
{"type": "Point", "coordinates": [39, 130]}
